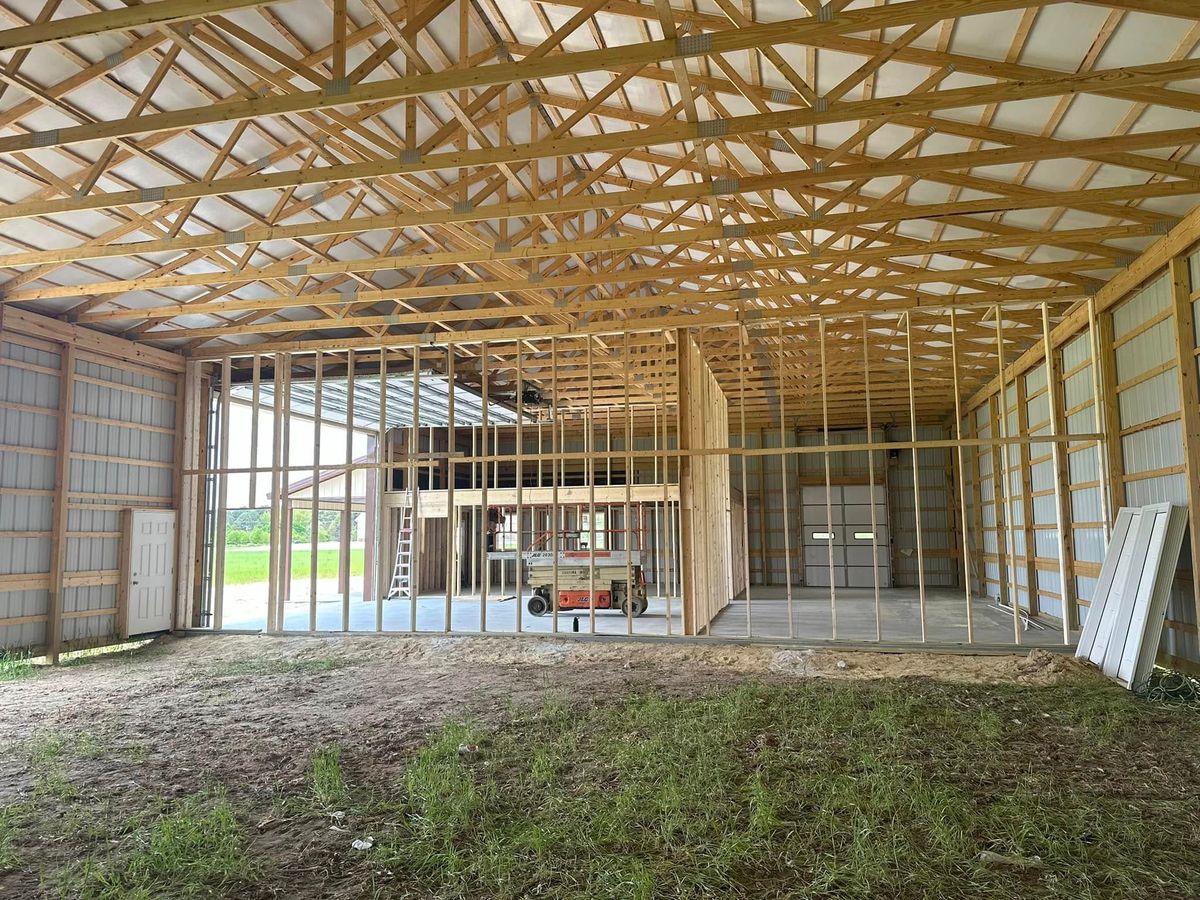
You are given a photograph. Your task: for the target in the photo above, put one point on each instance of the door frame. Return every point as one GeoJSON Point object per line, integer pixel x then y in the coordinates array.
{"type": "Point", "coordinates": [123, 583]}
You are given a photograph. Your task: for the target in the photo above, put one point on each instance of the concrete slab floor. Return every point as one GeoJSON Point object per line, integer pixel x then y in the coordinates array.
{"type": "Point", "coordinates": [809, 613]}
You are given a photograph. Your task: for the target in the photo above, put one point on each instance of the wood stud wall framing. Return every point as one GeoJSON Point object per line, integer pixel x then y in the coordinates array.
{"type": "Point", "coordinates": [587, 436]}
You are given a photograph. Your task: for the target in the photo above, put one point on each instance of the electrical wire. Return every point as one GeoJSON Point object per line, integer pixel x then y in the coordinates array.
{"type": "Point", "coordinates": [1171, 687]}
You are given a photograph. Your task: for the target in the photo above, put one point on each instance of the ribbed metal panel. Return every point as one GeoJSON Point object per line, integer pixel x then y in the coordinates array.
{"type": "Point", "coordinates": [1154, 448]}
{"type": "Point", "coordinates": [1142, 306]}
{"type": "Point", "coordinates": [114, 473]}
{"type": "Point", "coordinates": [1159, 447]}
{"type": "Point", "coordinates": [1151, 399]}
{"type": "Point", "coordinates": [1164, 489]}
{"type": "Point", "coordinates": [26, 512]}
{"type": "Point", "coordinates": [940, 569]}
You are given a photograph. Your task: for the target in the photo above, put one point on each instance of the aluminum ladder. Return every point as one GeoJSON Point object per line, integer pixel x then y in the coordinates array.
{"type": "Point", "coordinates": [402, 572]}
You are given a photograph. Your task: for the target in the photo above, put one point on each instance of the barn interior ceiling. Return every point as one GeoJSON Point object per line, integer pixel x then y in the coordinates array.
{"type": "Point", "coordinates": [804, 184]}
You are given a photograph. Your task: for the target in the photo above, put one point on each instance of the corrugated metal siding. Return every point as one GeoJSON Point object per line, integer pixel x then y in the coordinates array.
{"type": "Point", "coordinates": [26, 485]}
{"type": "Point", "coordinates": [122, 454]}
{"type": "Point", "coordinates": [129, 400]}
{"type": "Point", "coordinates": [1148, 404]}
{"type": "Point", "coordinates": [939, 534]}
{"type": "Point", "coordinates": [765, 506]}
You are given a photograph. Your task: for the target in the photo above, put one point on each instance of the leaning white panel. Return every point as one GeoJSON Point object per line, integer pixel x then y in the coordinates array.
{"type": "Point", "coordinates": [1091, 626]}
{"type": "Point", "coordinates": [1150, 612]}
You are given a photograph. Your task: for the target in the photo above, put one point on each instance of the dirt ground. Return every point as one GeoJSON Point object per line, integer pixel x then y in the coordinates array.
{"type": "Point", "coordinates": [244, 712]}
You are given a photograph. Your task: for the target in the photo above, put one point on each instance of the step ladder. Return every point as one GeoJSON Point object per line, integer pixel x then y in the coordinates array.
{"type": "Point", "coordinates": [401, 585]}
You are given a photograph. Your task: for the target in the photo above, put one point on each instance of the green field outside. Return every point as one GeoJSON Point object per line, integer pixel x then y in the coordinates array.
{"type": "Point", "coordinates": [250, 565]}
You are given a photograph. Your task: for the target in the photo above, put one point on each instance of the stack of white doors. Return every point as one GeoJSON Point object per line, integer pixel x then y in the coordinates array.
{"type": "Point", "coordinates": [1125, 620]}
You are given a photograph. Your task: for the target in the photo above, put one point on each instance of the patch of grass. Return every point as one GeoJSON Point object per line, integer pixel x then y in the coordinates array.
{"type": "Point", "coordinates": [47, 749]}
{"type": "Point", "coordinates": [47, 758]}
{"type": "Point", "coordinates": [250, 566]}
{"type": "Point", "coordinates": [887, 789]}
{"type": "Point", "coordinates": [10, 859]}
{"type": "Point", "coordinates": [49, 754]}
{"type": "Point", "coordinates": [197, 848]}
{"type": "Point", "coordinates": [16, 665]}
{"type": "Point", "coordinates": [329, 789]}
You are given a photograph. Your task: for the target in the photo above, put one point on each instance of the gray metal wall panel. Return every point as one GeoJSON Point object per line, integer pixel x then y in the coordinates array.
{"type": "Point", "coordinates": [26, 512]}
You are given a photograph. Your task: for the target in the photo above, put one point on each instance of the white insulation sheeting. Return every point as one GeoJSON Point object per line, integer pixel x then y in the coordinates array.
{"type": "Point", "coordinates": [1129, 606]}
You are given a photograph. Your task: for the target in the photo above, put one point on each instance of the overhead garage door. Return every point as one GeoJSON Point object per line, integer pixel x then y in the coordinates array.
{"type": "Point", "coordinates": [849, 529]}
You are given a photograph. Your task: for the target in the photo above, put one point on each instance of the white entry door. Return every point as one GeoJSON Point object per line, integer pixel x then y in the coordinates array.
{"type": "Point", "coordinates": [149, 568]}
{"type": "Point", "coordinates": [856, 546]}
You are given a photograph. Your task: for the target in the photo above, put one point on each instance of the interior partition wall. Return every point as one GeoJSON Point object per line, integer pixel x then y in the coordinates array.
{"type": "Point", "coordinates": [613, 436]}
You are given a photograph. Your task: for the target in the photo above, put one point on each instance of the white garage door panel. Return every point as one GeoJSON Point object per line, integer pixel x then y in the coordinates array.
{"type": "Point", "coordinates": [861, 493]}
{"type": "Point", "coordinates": [819, 556]}
{"type": "Point", "coordinates": [861, 555]}
{"type": "Point", "coordinates": [846, 525]}
{"type": "Point", "coordinates": [857, 514]}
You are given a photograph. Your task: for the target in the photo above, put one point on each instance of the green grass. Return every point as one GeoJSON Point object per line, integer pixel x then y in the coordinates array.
{"type": "Point", "coordinates": [811, 790]}
{"type": "Point", "coordinates": [196, 849]}
{"type": "Point", "coordinates": [10, 859]}
{"type": "Point", "coordinates": [16, 665]}
{"type": "Point", "coordinates": [250, 566]}
{"type": "Point", "coordinates": [329, 790]}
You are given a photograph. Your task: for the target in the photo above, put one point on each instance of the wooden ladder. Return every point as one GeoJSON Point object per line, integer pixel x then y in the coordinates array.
{"type": "Point", "coordinates": [401, 585]}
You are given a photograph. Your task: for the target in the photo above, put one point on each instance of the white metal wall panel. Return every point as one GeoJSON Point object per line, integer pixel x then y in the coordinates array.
{"type": "Point", "coordinates": [26, 507]}
{"type": "Point", "coordinates": [112, 467]}
{"type": "Point", "coordinates": [1157, 448]}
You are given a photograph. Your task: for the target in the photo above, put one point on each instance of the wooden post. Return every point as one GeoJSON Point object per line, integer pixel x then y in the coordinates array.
{"type": "Point", "coordinates": [315, 514]}
{"type": "Point", "coordinates": [783, 467]}
{"type": "Point", "coordinates": [916, 474]}
{"type": "Point", "coordinates": [382, 579]}
{"type": "Point", "coordinates": [962, 482]}
{"type": "Point", "coordinates": [274, 569]}
{"type": "Point", "coordinates": [218, 574]}
{"type": "Point", "coordinates": [345, 551]}
{"type": "Point", "coordinates": [1189, 404]}
{"type": "Point", "coordinates": [62, 491]}
{"type": "Point", "coordinates": [519, 481]}
{"type": "Point", "coordinates": [255, 377]}
{"type": "Point", "coordinates": [451, 509]}
{"type": "Point", "coordinates": [189, 413]}
{"type": "Point", "coordinates": [687, 540]}
{"type": "Point", "coordinates": [742, 340]}
{"type": "Point", "coordinates": [591, 479]}
{"type": "Point", "coordinates": [828, 486]}
{"type": "Point", "coordinates": [1009, 543]}
{"type": "Point", "coordinates": [871, 482]}
{"type": "Point", "coordinates": [414, 493]}
{"type": "Point", "coordinates": [1061, 514]}
{"type": "Point", "coordinates": [485, 573]}
{"type": "Point", "coordinates": [556, 477]}
{"type": "Point", "coordinates": [1024, 464]}
{"type": "Point", "coordinates": [1114, 463]}
{"type": "Point", "coordinates": [628, 509]}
